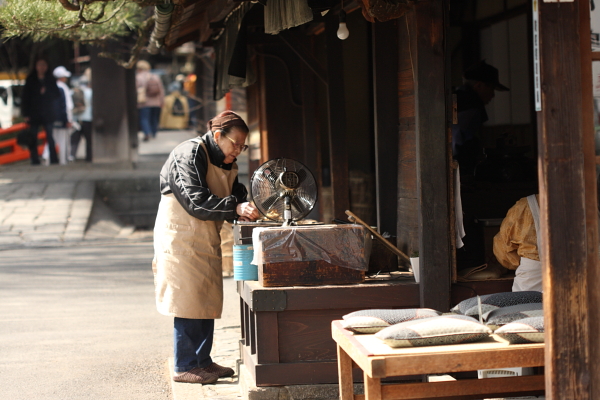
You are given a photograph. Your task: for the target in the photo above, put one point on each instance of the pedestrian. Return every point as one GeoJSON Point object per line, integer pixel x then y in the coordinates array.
{"type": "Point", "coordinates": [150, 98]}
{"type": "Point", "coordinates": [40, 95]}
{"type": "Point", "coordinates": [199, 190]}
{"type": "Point", "coordinates": [82, 113]}
{"type": "Point", "coordinates": [63, 114]}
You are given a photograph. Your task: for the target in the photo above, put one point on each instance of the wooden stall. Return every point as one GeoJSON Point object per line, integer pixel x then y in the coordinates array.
{"type": "Point", "coordinates": [378, 108]}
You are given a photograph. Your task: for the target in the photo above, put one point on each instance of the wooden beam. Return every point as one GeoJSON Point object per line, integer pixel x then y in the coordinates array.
{"type": "Point", "coordinates": [591, 197]}
{"type": "Point", "coordinates": [386, 117]}
{"type": "Point", "coordinates": [427, 25]}
{"type": "Point", "coordinates": [563, 191]}
{"type": "Point", "coordinates": [336, 102]}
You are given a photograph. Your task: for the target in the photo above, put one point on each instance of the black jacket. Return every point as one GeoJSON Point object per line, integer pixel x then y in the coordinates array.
{"type": "Point", "coordinates": [36, 105]}
{"type": "Point", "coordinates": [184, 175]}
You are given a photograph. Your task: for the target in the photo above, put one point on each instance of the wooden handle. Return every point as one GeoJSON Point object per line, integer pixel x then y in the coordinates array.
{"type": "Point", "coordinates": [353, 218]}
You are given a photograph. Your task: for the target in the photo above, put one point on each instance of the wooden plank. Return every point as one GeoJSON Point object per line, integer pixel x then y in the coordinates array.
{"type": "Point", "coordinates": [309, 273]}
{"type": "Point", "coordinates": [478, 358]}
{"type": "Point", "coordinates": [492, 387]}
{"type": "Point", "coordinates": [407, 169]}
{"type": "Point", "coordinates": [427, 24]}
{"type": "Point", "coordinates": [372, 388]}
{"type": "Point", "coordinates": [304, 373]}
{"type": "Point", "coordinates": [563, 203]}
{"type": "Point", "coordinates": [392, 294]}
{"type": "Point", "coordinates": [591, 196]}
{"type": "Point", "coordinates": [385, 96]}
{"type": "Point", "coordinates": [253, 332]}
{"type": "Point", "coordinates": [306, 335]}
{"type": "Point", "coordinates": [346, 385]}
{"type": "Point", "coordinates": [336, 104]}
{"type": "Point", "coordinates": [267, 338]}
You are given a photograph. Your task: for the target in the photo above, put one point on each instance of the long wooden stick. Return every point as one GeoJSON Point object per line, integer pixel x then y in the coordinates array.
{"type": "Point", "coordinates": [353, 218]}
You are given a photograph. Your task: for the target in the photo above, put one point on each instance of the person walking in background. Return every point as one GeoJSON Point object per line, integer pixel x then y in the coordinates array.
{"type": "Point", "coordinates": [63, 114]}
{"type": "Point", "coordinates": [40, 94]}
{"type": "Point", "coordinates": [150, 98]}
{"type": "Point", "coordinates": [82, 113]}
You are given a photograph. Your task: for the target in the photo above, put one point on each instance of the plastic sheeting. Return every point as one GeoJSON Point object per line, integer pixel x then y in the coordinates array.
{"type": "Point", "coordinates": [346, 246]}
{"type": "Point", "coordinates": [285, 14]}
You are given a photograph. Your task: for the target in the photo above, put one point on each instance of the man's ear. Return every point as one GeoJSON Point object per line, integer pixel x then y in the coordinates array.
{"type": "Point", "coordinates": [217, 135]}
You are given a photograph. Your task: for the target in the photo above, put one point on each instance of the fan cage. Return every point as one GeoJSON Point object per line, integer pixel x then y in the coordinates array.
{"type": "Point", "coordinates": [269, 194]}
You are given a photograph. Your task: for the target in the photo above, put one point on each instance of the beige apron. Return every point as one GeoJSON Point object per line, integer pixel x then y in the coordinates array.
{"type": "Point", "coordinates": [528, 275]}
{"type": "Point", "coordinates": [188, 275]}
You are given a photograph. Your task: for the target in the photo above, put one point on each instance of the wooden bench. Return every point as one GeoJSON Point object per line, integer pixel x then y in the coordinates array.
{"type": "Point", "coordinates": [377, 360]}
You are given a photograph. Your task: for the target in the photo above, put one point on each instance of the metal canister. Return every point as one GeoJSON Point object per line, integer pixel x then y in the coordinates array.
{"type": "Point", "coordinates": [243, 269]}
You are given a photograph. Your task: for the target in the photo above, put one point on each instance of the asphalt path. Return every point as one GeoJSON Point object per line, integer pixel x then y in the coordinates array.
{"type": "Point", "coordinates": [79, 322]}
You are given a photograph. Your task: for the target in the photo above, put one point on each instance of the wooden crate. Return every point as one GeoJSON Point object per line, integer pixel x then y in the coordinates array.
{"type": "Point", "coordinates": [307, 273]}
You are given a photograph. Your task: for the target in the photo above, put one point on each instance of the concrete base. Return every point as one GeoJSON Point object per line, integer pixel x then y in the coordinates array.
{"type": "Point", "coordinates": [293, 392]}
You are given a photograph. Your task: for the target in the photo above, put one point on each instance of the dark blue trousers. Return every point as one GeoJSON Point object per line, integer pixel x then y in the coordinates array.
{"type": "Point", "coordinates": [193, 341]}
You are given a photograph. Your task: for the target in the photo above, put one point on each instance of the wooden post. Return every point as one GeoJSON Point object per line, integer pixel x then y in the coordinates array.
{"type": "Point", "coordinates": [115, 111]}
{"type": "Point", "coordinates": [338, 154]}
{"type": "Point", "coordinates": [591, 199]}
{"type": "Point", "coordinates": [385, 94]}
{"type": "Point", "coordinates": [567, 268]}
{"type": "Point", "coordinates": [427, 24]}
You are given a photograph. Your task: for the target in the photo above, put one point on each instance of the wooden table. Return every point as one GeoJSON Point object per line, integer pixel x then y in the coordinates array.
{"type": "Point", "coordinates": [377, 360]}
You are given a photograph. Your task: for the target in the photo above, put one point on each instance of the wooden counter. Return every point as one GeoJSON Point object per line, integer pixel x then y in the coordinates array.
{"type": "Point", "coordinates": [286, 331]}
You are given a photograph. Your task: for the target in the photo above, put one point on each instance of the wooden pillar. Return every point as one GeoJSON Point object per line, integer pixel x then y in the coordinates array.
{"type": "Point", "coordinates": [568, 267]}
{"type": "Point", "coordinates": [407, 230]}
{"type": "Point", "coordinates": [114, 134]}
{"type": "Point", "coordinates": [385, 94]}
{"type": "Point", "coordinates": [427, 25]}
{"type": "Point", "coordinates": [591, 200]}
{"type": "Point", "coordinates": [336, 101]}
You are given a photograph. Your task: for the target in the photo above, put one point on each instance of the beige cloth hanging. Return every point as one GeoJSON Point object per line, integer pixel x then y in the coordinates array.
{"type": "Point", "coordinates": [187, 267]}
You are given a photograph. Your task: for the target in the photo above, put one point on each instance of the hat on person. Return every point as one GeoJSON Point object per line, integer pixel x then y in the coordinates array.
{"type": "Point", "coordinates": [225, 120]}
{"type": "Point", "coordinates": [484, 72]}
{"type": "Point", "coordinates": [61, 72]}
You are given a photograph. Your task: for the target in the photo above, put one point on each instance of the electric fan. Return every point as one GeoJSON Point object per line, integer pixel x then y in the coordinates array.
{"type": "Point", "coordinates": [283, 190]}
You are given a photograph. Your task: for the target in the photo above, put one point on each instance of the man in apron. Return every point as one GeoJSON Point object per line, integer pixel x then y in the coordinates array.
{"type": "Point", "coordinates": [200, 190]}
{"type": "Point", "coordinates": [517, 244]}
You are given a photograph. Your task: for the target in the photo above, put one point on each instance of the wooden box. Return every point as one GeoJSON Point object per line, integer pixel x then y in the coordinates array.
{"type": "Point", "coordinates": [307, 273]}
{"type": "Point", "coordinates": [312, 255]}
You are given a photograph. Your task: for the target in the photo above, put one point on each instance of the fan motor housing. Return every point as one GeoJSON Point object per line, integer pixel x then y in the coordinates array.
{"type": "Point", "coordinates": [289, 179]}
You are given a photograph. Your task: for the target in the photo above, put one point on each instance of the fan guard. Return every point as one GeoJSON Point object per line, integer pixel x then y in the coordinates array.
{"type": "Point", "coordinates": [281, 185]}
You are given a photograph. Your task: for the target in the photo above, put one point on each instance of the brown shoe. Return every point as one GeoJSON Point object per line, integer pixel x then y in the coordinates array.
{"type": "Point", "coordinates": [220, 371]}
{"type": "Point", "coordinates": [196, 375]}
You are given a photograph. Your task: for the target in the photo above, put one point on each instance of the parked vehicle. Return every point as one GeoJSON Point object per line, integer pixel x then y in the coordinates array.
{"type": "Point", "coordinates": [10, 104]}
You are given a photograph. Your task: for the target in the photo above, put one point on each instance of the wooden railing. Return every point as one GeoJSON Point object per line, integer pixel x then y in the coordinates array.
{"type": "Point", "coordinates": [16, 152]}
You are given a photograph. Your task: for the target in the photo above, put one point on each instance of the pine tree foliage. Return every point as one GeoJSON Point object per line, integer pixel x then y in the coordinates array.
{"type": "Point", "coordinates": [86, 21]}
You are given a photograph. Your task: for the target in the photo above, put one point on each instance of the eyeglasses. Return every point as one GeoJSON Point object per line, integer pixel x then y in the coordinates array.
{"type": "Point", "coordinates": [240, 147]}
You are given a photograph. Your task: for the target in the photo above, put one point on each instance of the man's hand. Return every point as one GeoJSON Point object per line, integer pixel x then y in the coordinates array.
{"type": "Point", "coordinates": [247, 211]}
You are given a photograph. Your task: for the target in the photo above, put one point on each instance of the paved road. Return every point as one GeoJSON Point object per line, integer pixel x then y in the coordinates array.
{"type": "Point", "coordinates": [77, 317]}
{"type": "Point", "coordinates": [79, 322]}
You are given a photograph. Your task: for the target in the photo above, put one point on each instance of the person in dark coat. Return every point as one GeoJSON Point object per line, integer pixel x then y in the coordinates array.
{"type": "Point", "coordinates": [199, 191]}
{"type": "Point", "coordinates": [38, 107]}
{"type": "Point", "coordinates": [481, 83]}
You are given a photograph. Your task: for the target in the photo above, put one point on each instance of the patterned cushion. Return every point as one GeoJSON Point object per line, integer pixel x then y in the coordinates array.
{"type": "Point", "coordinates": [491, 302]}
{"type": "Point", "coordinates": [527, 330]}
{"type": "Point", "coordinates": [506, 315]}
{"type": "Point", "coordinates": [371, 321]}
{"type": "Point", "coordinates": [445, 329]}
